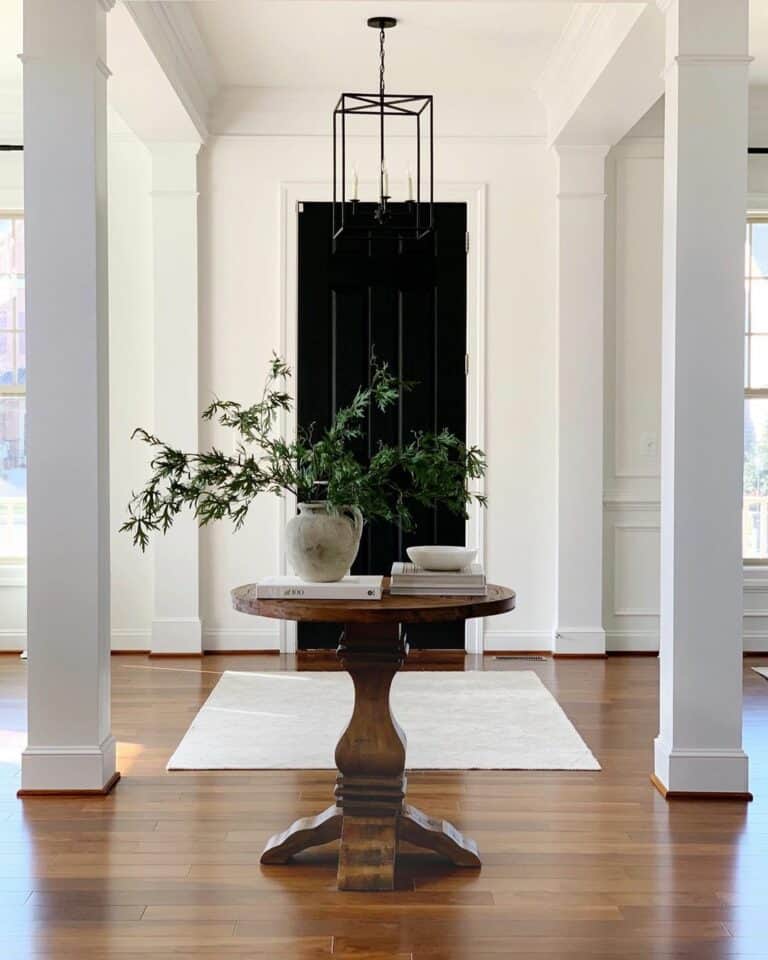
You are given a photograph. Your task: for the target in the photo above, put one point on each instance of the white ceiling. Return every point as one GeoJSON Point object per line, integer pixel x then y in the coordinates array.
{"type": "Point", "coordinates": [473, 47]}
{"type": "Point", "coordinates": [468, 45]}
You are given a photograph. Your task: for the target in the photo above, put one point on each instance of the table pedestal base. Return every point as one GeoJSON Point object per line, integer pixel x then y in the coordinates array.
{"type": "Point", "coordinates": [370, 815]}
{"type": "Point", "coordinates": [368, 850]}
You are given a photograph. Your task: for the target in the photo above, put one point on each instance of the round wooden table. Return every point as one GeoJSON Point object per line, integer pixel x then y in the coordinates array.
{"type": "Point", "coordinates": [370, 814]}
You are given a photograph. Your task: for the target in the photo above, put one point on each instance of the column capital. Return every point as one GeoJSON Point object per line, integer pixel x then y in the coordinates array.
{"type": "Point", "coordinates": [106, 5]}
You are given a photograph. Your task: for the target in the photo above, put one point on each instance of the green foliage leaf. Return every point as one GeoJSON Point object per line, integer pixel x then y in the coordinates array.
{"type": "Point", "coordinates": [429, 469]}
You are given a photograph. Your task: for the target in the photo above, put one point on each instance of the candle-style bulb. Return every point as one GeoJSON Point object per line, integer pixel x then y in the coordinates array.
{"type": "Point", "coordinates": [355, 184]}
{"type": "Point", "coordinates": [384, 181]}
{"type": "Point", "coordinates": [410, 185]}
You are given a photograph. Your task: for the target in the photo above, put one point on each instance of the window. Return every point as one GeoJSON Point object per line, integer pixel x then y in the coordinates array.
{"type": "Point", "coordinates": [755, 508]}
{"type": "Point", "coordinates": [13, 363]}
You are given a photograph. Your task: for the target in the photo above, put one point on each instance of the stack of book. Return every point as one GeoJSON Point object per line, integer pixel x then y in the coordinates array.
{"type": "Point", "coordinates": [408, 580]}
{"type": "Point", "coordinates": [293, 588]}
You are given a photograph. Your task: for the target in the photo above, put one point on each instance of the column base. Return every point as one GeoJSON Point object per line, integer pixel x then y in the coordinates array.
{"type": "Point", "coordinates": [579, 642]}
{"type": "Point", "coordinates": [177, 636]}
{"type": "Point", "coordinates": [695, 774]}
{"type": "Point", "coordinates": [73, 770]}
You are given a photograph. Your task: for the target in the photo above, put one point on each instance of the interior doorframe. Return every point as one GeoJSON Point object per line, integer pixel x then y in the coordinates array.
{"type": "Point", "coordinates": [473, 194]}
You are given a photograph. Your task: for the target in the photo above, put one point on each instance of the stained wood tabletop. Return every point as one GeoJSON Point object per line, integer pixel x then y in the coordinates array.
{"type": "Point", "coordinates": [390, 609]}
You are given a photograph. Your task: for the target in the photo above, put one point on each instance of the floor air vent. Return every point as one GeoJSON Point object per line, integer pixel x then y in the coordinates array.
{"type": "Point", "coordinates": [520, 657]}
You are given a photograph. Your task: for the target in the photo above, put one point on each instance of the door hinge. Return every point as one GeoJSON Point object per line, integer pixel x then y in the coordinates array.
{"type": "Point", "coordinates": [466, 242]}
{"type": "Point", "coordinates": [466, 364]}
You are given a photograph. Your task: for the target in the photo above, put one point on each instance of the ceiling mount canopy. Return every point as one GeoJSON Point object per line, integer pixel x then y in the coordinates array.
{"type": "Point", "coordinates": [361, 124]}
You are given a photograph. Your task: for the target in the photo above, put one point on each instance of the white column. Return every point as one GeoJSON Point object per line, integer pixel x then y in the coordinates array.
{"type": "Point", "coordinates": [70, 746]}
{"type": "Point", "coordinates": [698, 749]}
{"type": "Point", "coordinates": [580, 239]}
{"type": "Point", "coordinates": [176, 624]}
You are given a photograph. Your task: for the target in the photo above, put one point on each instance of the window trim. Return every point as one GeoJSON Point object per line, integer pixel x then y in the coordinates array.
{"type": "Point", "coordinates": [754, 393]}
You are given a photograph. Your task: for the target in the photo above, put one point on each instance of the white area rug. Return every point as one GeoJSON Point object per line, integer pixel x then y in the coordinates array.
{"type": "Point", "coordinates": [453, 721]}
{"type": "Point", "coordinates": [763, 671]}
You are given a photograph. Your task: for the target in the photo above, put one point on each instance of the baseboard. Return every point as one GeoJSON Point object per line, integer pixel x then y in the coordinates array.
{"type": "Point", "coordinates": [176, 635]}
{"type": "Point", "coordinates": [755, 640]}
{"type": "Point", "coordinates": [579, 641]}
{"type": "Point", "coordinates": [632, 641]}
{"type": "Point", "coordinates": [77, 770]}
{"type": "Point", "coordinates": [12, 641]}
{"type": "Point", "coordinates": [239, 640]}
{"type": "Point", "coordinates": [745, 796]}
{"type": "Point", "coordinates": [108, 786]}
{"type": "Point", "coordinates": [516, 641]}
{"type": "Point", "coordinates": [131, 639]}
{"type": "Point", "coordinates": [700, 772]}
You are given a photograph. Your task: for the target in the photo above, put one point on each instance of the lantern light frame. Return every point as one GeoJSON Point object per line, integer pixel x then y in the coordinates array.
{"type": "Point", "coordinates": [412, 218]}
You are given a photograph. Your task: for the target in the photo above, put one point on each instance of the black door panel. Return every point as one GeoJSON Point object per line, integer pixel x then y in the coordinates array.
{"type": "Point", "coordinates": [406, 301]}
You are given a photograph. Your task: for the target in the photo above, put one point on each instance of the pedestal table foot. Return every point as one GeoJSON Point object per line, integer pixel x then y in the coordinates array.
{"type": "Point", "coordinates": [421, 830]}
{"type": "Point", "coordinates": [302, 834]}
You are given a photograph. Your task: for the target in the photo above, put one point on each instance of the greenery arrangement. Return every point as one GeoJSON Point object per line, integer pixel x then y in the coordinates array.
{"type": "Point", "coordinates": [432, 468]}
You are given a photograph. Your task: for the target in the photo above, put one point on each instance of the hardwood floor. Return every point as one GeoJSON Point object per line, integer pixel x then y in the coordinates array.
{"type": "Point", "coordinates": [576, 864]}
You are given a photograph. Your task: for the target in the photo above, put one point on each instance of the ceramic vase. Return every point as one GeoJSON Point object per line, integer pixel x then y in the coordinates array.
{"type": "Point", "coordinates": [322, 542]}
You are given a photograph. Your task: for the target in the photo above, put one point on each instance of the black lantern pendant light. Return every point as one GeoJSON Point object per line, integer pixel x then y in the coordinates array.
{"type": "Point", "coordinates": [406, 217]}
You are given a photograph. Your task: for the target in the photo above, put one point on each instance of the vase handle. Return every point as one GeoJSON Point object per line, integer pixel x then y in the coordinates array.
{"type": "Point", "coordinates": [355, 517]}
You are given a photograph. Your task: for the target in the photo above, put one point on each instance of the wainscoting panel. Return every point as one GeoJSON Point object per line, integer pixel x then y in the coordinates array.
{"type": "Point", "coordinates": [635, 566]}
{"type": "Point", "coordinates": [631, 517]}
{"type": "Point", "coordinates": [631, 575]}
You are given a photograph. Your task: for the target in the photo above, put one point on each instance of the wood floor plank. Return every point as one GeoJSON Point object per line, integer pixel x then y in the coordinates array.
{"type": "Point", "coordinates": [576, 864]}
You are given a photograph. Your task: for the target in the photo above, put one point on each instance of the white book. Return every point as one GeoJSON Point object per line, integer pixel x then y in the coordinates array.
{"type": "Point", "coordinates": [294, 588]}
{"type": "Point", "coordinates": [419, 591]}
{"type": "Point", "coordinates": [406, 574]}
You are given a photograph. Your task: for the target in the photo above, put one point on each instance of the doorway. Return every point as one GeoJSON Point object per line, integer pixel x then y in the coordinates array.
{"type": "Point", "coordinates": [407, 302]}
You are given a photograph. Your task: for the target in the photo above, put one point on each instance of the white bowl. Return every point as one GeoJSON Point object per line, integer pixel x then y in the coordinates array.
{"type": "Point", "coordinates": [442, 558]}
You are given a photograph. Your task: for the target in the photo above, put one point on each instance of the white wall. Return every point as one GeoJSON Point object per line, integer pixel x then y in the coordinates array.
{"type": "Point", "coordinates": [131, 332]}
{"type": "Point", "coordinates": [240, 271]}
{"type": "Point", "coordinates": [131, 319]}
{"type": "Point", "coordinates": [634, 179]}
{"type": "Point", "coordinates": [633, 387]}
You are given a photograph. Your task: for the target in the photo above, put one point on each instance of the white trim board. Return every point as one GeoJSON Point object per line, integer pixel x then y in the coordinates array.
{"type": "Point", "coordinates": [216, 639]}
{"type": "Point", "coordinates": [474, 195]}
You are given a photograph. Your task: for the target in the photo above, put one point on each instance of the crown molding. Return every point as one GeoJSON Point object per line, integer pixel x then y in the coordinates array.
{"type": "Point", "coordinates": [172, 35]}
{"type": "Point", "coordinates": [595, 58]}
{"type": "Point", "coordinates": [584, 24]}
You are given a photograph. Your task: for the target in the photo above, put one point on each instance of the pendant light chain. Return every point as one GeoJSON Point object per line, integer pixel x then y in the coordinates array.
{"type": "Point", "coordinates": [381, 59]}
{"type": "Point", "coordinates": [383, 186]}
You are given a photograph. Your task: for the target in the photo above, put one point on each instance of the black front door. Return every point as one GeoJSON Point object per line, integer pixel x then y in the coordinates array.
{"type": "Point", "coordinates": [405, 301]}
